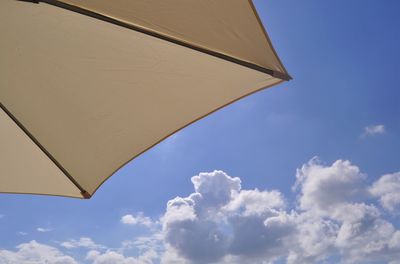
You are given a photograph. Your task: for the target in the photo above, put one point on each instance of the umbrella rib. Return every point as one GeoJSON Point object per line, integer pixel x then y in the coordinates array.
{"type": "Point", "coordinates": [84, 193]}
{"type": "Point", "coordinates": [276, 74]}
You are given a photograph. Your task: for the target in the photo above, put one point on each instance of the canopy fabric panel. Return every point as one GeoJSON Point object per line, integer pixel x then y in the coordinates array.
{"type": "Point", "coordinates": [24, 168]}
{"type": "Point", "coordinates": [227, 26]}
{"type": "Point", "coordinates": [80, 97]}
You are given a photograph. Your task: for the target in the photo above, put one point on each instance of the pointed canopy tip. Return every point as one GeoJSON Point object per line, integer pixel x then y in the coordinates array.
{"type": "Point", "coordinates": [281, 75]}
{"type": "Point", "coordinates": [86, 195]}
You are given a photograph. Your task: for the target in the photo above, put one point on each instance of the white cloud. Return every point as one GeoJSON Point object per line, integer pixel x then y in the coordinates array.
{"type": "Point", "coordinates": [43, 230]}
{"type": "Point", "coordinates": [222, 223]}
{"type": "Point", "coordinates": [323, 188]}
{"type": "Point", "coordinates": [110, 257]}
{"type": "Point", "coordinates": [336, 214]}
{"type": "Point", "coordinates": [257, 202]}
{"type": "Point", "coordinates": [145, 243]}
{"type": "Point", "coordinates": [216, 187]}
{"type": "Point", "coordinates": [171, 256]}
{"type": "Point", "coordinates": [374, 130]}
{"type": "Point", "coordinates": [337, 194]}
{"type": "Point", "coordinates": [387, 189]}
{"type": "Point", "coordinates": [314, 240]}
{"type": "Point", "coordinates": [35, 253]}
{"type": "Point", "coordinates": [113, 257]}
{"type": "Point", "coordinates": [21, 233]}
{"type": "Point", "coordinates": [84, 242]}
{"type": "Point", "coordinates": [147, 249]}
{"type": "Point", "coordinates": [139, 219]}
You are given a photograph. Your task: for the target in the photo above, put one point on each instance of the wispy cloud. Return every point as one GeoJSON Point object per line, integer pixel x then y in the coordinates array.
{"type": "Point", "coordinates": [374, 130]}
{"type": "Point", "coordinates": [83, 242]}
{"type": "Point", "coordinates": [144, 243]}
{"type": "Point", "coordinates": [43, 230]}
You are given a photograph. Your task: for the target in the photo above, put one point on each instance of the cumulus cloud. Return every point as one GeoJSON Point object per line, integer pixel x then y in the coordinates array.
{"type": "Point", "coordinates": [216, 188]}
{"type": "Point", "coordinates": [374, 130]}
{"type": "Point", "coordinates": [337, 195]}
{"type": "Point", "coordinates": [83, 242]}
{"type": "Point", "coordinates": [324, 188]}
{"type": "Point", "coordinates": [255, 202]}
{"type": "Point", "coordinates": [35, 253]}
{"type": "Point", "coordinates": [220, 220]}
{"type": "Point", "coordinates": [198, 239]}
{"type": "Point", "coordinates": [139, 219]}
{"type": "Point", "coordinates": [387, 189]}
{"type": "Point", "coordinates": [334, 217]}
{"type": "Point", "coordinates": [314, 239]}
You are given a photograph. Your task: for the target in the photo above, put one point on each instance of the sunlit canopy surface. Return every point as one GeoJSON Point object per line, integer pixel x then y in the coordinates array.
{"type": "Point", "coordinates": [87, 85]}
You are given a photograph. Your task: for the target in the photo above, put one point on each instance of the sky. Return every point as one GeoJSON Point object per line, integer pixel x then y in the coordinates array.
{"type": "Point", "coordinates": [305, 172]}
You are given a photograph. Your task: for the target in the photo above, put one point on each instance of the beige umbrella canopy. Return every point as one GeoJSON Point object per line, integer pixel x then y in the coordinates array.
{"type": "Point", "coordinates": [87, 85]}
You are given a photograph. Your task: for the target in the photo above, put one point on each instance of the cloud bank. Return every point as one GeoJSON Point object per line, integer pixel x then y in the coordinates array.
{"type": "Point", "coordinates": [337, 216]}
{"type": "Point", "coordinates": [35, 253]}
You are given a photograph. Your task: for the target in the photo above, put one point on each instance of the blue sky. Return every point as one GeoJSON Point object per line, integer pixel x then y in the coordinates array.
{"type": "Point", "coordinates": [343, 104]}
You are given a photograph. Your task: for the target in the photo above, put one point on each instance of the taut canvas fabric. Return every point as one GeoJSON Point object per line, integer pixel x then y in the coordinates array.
{"type": "Point", "coordinates": [86, 86]}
